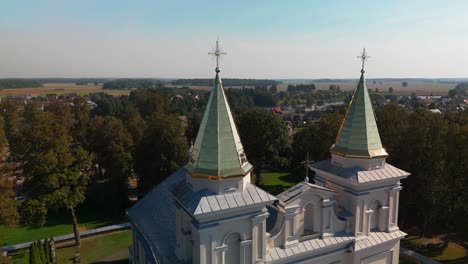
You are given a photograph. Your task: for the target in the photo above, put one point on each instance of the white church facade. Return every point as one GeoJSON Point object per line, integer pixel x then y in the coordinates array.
{"type": "Point", "coordinates": [209, 212]}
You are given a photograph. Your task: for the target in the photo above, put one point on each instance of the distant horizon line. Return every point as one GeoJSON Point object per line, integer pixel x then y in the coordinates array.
{"type": "Point", "coordinates": [275, 79]}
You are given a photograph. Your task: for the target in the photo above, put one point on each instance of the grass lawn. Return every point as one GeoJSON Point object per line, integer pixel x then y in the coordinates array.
{"type": "Point", "coordinates": [403, 261]}
{"type": "Point", "coordinates": [59, 224]}
{"type": "Point", "coordinates": [110, 248]}
{"type": "Point", "coordinates": [276, 182]}
{"type": "Point", "coordinates": [436, 249]}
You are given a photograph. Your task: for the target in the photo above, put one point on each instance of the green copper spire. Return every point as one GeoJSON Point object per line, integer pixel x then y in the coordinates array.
{"type": "Point", "coordinates": [358, 136]}
{"type": "Point", "coordinates": [217, 152]}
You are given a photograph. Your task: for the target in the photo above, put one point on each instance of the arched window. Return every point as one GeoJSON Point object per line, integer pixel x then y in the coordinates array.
{"type": "Point", "coordinates": [374, 221]}
{"type": "Point", "coordinates": [309, 219]}
{"type": "Point", "coordinates": [232, 254]}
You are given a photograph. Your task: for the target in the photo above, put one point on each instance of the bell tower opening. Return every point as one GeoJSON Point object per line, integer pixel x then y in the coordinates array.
{"type": "Point", "coordinates": [233, 249]}
{"type": "Point", "coordinates": [309, 219]}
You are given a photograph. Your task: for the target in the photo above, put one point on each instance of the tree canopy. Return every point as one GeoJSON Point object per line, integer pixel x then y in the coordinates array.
{"type": "Point", "coordinates": [265, 139]}
{"type": "Point", "coordinates": [161, 151]}
{"type": "Point", "coordinates": [51, 164]}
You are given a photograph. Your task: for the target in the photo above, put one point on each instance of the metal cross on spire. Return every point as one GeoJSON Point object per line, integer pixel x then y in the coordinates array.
{"type": "Point", "coordinates": [306, 163]}
{"type": "Point", "coordinates": [363, 57]}
{"type": "Point", "coordinates": [218, 52]}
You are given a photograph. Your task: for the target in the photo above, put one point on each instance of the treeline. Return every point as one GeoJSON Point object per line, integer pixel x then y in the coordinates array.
{"type": "Point", "coordinates": [18, 83]}
{"type": "Point", "coordinates": [63, 149]}
{"type": "Point", "coordinates": [243, 98]}
{"type": "Point", "coordinates": [72, 80]}
{"type": "Point", "coordinates": [262, 96]}
{"type": "Point", "coordinates": [127, 84]}
{"type": "Point", "coordinates": [432, 147]}
{"type": "Point", "coordinates": [68, 153]}
{"type": "Point", "coordinates": [461, 90]}
{"type": "Point", "coordinates": [226, 82]}
{"type": "Point", "coordinates": [301, 88]}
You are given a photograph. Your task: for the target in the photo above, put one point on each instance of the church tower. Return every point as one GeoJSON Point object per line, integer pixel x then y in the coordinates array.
{"type": "Point", "coordinates": [217, 160]}
{"type": "Point", "coordinates": [367, 187]}
{"type": "Point", "coordinates": [220, 215]}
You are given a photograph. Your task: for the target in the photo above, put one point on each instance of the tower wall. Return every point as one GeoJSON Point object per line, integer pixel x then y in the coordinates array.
{"type": "Point", "coordinates": [361, 201]}
{"type": "Point", "coordinates": [211, 243]}
{"type": "Point", "coordinates": [218, 186]}
{"type": "Point", "coordinates": [365, 163]}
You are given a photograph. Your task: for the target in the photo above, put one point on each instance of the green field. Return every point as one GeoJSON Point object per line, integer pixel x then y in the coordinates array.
{"type": "Point", "coordinates": [110, 248]}
{"type": "Point", "coordinates": [435, 249]}
{"type": "Point", "coordinates": [59, 224]}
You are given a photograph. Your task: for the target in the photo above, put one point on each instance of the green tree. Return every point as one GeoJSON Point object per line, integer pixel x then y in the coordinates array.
{"type": "Point", "coordinates": [52, 166]}
{"type": "Point", "coordinates": [273, 89]}
{"type": "Point", "coordinates": [11, 116]}
{"type": "Point", "coordinates": [81, 116]}
{"type": "Point", "coordinates": [392, 122]}
{"type": "Point", "coordinates": [46, 251]}
{"type": "Point", "coordinates": [147, 102]}
{"type": "Point", "coordinates": [9, 215]}
{"type": "Point", "coordinates": [265, 139]}
{"type": "Point", "coordinates": [113, 145]}
{"type": "Point", "coordinates": [33, 212]}
{"type": "Point", "coordinates": [316, 139]}
{"type": "Point", "coordinates": [416, 142]}
{"type": "Point", "coordinates": [133, 122]}
{"type": "Point", "coordinates": [106, 104]}
{"type": "Point", "coordinates": [161, 151]}
{"type": "Point", "coordinates": [457, 169]}
{"type": "Point", "coordinates": [193, 126]}
{"type": "Point", "coordinates": [32, 254]}
{"type": "Point", "coordinates": [40, 249]}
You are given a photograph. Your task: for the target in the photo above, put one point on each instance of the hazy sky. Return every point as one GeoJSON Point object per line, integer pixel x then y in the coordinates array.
{"type": "Point", "coordinates": [264, 39]}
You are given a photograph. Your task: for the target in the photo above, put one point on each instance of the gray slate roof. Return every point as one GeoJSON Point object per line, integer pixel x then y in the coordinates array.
{"type": "Point", "coordinates": [205, 201]}
{"type": "Point", "coordinates": [360, 175]}
{"type": "Point", "coordinates": [313, 246]}
{"type": "Point", "coordinates": [377, 238]}
{"type": "Point", "coordinates": [298, 189]}
{"type": "Point", "coordinates": [306, 247]}
{"type": "Point", "coordinates": [154, 216]}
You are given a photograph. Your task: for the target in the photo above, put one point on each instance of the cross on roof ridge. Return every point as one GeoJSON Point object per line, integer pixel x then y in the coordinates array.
{"type": "Point", "coordinates": [363, 58]}
{"type": "Point", "coordinates": [218, 52]}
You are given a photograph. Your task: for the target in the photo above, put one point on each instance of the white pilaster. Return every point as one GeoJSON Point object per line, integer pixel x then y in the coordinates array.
{"type": "Point", "coordinates": [290, 226]}
{"type": "Point", "coordinates": [259, 237]}
{"type": "Point", "coordinates": [393, 208]}
{"type": "Point", "coordinates": [327, 206]}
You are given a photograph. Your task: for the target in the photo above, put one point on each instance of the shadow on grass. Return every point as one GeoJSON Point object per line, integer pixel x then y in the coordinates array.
{"type": "Point", "coordinates": [87, 216]}
{"type": "Point", "coordinates": [456, 261]}
{"type": "Point", "coordinates": [120, 261]}
{"type": "Point", "coordinates": [432, 250]}
{"type": "Point", "coordinates": [277, 181]}
{"type": "Point", "coordinates": [290, 178]}
{"type": "Point", "coordinates": [274, 189]}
